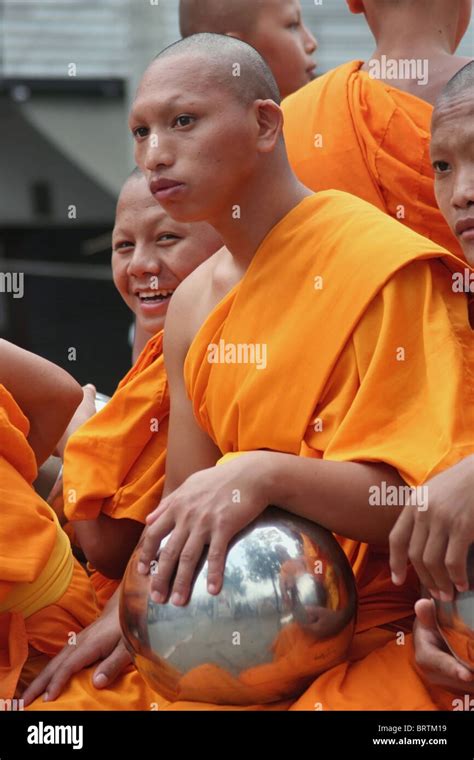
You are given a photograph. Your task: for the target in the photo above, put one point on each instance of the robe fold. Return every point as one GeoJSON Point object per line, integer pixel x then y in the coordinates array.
{"type": "Point", "coordinates": [352, 345]}
{"type": "Point", "coordinates": [347, 131]}
{"type": "Point", "coordinates": [45, 595]}
{"type": "Point", "coordinates": [115, 463]}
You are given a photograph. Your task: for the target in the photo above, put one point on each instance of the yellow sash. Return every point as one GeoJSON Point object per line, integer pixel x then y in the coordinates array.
{"type": "Point", "coordinates": [49, 586]}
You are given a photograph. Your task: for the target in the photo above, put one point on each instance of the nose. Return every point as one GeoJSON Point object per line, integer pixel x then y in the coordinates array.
{"type": "Point", "coordinates": [158, 152]}
{"type": "Point", "coordinates": [145, 260]}
{"type": "Point", "coordinates": [463, 189]}
{"type": "Point", "coordinates": [310, 42]}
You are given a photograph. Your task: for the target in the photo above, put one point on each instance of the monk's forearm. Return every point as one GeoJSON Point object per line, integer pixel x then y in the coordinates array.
{"type": "Point", "coordinates": [108, 543]}
{"type": "Point", "coordinates": [47, 395]}
{"type": "Point", "coordinates": [334, 494]}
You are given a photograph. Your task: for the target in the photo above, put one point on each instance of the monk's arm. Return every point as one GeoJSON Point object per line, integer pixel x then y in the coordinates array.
{"type": "Point", "coordinates": [333, 494]}
{"type": "Point", "coordinates": [47, 395]}
{"type": "Point", "coordinates": [189, 448]}
{"type": "Point", "coordinates": [108, 542]}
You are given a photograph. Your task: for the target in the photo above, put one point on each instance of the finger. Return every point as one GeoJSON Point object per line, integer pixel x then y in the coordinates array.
{"type": "Point", "coordinates": [432, 656]}
{"type": "Point", "coordinates": [167, 562]}
{"type": "Point", "coordinates": [216, 563]}
{"type": "Point", "coordinates": [112, 666]}
{"type": "Point", "coordinates": [416, 551]}
{"type": "Point", "coordinates": [456, 560]}
{"type": "Point", "coordinates": [39, 685]}
{"type": "Point", "coordinates": [190, 555]}
{"type": "Point", "coordinates": [158, 511]}
{"type": "Point", "coordinates": [62, 675]}
{"type": "Point", "coordinates": [399, 541]}
{"type": "Point", "coordinates": [434, 562]}
{"type": "Point", "coordinates": [151, 540]}
{"type": "Point", "coordinates": [426, 613]}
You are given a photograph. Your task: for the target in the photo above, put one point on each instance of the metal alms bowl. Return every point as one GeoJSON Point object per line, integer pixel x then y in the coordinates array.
{"type": "Point", "coordinates": [285, 614]}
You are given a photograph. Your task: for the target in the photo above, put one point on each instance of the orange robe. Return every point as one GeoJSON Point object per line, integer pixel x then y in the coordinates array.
{"type": "Point", "coordinates": [347, 131]}
{"type": "Point", "coordinates": [115, 462]}
{"type": "Point", "coordinates": [45, 595]}
{"type": "Point", "coordinates": [357, 344]}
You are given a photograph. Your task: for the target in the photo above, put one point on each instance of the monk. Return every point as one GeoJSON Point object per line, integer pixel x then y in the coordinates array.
{"type": "Point", "coordinates": [317, 448]}
{"type": "Point", "coordinates": [365, 127]}
{"type": "Point", "coordinates": [436, 539]}
{"type": "Point", "coordinates": [273, 27]}
{"type": "Point", "coordinates": [114, 464]}
{"type": "Point", "coordinates": [45, 595]}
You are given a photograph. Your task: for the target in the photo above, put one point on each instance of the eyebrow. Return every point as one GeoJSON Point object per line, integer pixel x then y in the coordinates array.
{"type": "Point", "coordinates": [163, 106]}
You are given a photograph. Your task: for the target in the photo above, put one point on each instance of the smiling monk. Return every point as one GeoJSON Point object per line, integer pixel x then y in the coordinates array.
{"type": "Point", "coordinates": [365, 127]}
{"type": "Point", "coordinates": [355, 343]}
{"type": "Point", "coordinates": [114, 464]}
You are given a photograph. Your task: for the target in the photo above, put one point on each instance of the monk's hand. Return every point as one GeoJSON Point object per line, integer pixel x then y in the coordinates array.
{"type": "Point", "coordinates": [102, 640]}
{"type": "Point", "coordinates": [436, 536]}
{"type": "Point", "coordinates": [437, 665]}
{"type": "Point", "coordinates": [208, 509]}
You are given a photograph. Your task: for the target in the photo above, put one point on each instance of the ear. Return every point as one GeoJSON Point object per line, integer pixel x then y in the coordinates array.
{"type": "Point", "coordinates": [269, 118]}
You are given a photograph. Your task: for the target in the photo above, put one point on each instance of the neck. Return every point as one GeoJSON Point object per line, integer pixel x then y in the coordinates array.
{"type": "Point", "coordinates": [245, 222]}
{"type": "Point", "coordinates": [416, 32]}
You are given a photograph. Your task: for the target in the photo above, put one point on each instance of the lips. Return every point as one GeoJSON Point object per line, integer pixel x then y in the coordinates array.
{"type": "Point", "coordinates": [162, 185]}
{"type": "Point", "coordinates": [464, 225]}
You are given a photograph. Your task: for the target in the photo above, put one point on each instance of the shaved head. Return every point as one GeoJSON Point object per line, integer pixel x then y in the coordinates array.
{"type": "Point", "coordinates": [234, 65]}
{"type": "Point", "coordinates": [461, 83]}
{"type": "Point", "coordinates": [220, 16]}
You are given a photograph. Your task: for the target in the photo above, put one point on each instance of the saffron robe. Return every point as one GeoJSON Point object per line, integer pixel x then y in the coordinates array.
{"type": "Point", "coordinates": [45, 595]}
{"type": "Point", "coordinates": [115, 462]}
{"type": "Point", "coordinates": [358, 340]}
{"type": "Point", "coordinates": [346, 131]}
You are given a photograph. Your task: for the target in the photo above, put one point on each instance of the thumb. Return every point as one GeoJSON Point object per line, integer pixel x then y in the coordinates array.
{"type": "Point", "coordinates": [89, 388]}
{"type": "Point", "coordinates": [426, 613]}
{"type": "Point", "coordinates": [111, 667]}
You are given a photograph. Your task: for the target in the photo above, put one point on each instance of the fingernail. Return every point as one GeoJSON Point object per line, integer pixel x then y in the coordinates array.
{"type": "Point", "coordinates": [462, 587]}
{"type": "Point", "coordinates": [435, 594]}
{"type": "Point", "coordinates": [176, 599]}
{"type": "Point", "coordinates": [157, 597]}
{"type": "Point", "coordinates": [212, 588]}
{"type": "Point", "coordinates": [46, 697]}
{"type": "Point", "coordinates": [100, 679]}
{"type": "Point", "coordinates": [396, 580]}
{"type": "Point", "coordinates": [142, 568]}
{"type": "Point", "coordinates": [446, 596]}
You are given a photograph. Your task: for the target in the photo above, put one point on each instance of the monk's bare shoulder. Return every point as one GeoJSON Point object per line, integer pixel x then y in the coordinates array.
{"type": "Point", "coordinates": [190, 305]}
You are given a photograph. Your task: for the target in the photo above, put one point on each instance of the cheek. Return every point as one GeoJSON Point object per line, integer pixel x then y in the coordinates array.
{"type": "Point", "coordinates": [139, 155]}
{"type": "Point", "coordinates": [442, 193]}
{"type": "Point", "coordinates": [119, 274]}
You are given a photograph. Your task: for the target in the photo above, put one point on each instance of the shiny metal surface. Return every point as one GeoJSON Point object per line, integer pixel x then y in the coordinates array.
{"type": "Point", "coordinates": [456, 620]}
{"type": "Point", "coordinates": [286, 613]}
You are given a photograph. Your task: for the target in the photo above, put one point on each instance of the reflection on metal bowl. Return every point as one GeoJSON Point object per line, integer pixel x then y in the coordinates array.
{"type": "Point", "coordinates": [286, 613]}
{"type": "Point", "coordinates": [456, 619]}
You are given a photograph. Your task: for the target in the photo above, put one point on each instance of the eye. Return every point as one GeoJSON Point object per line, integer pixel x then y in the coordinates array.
{"type": "Point", "coordinates": [441, 167]}
{"type": "Point", "coordinates": [140, 132]}
{"type": "Point", "coordinates": [168, 237]}
{"type": "Point", "coordinates": [123, 245]}
{"type": "Point", "coordinates": [184, 120]}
